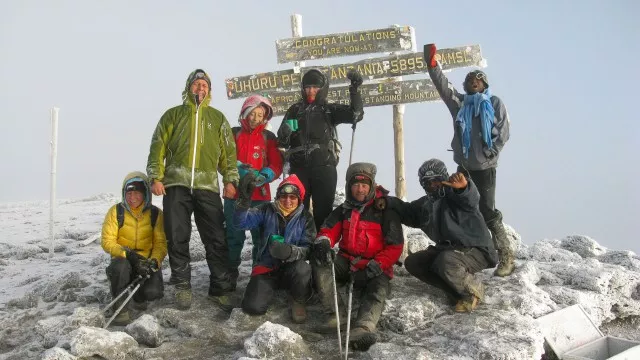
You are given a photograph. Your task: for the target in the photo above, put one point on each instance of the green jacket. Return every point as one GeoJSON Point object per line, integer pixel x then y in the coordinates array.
{"type": "Point", "coordinates": [172, 147]}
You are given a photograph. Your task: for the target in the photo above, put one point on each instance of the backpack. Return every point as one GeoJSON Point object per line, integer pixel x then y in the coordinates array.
{"type": "Point", "coordinates": [120, 215]}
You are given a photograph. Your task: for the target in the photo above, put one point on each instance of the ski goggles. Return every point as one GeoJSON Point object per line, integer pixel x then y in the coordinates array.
{"type": "Point", "coordinates": [426, 180]}
{"type": "Point", "coordinates": [288, 189]}
{"type": "Point", "coordinates": [476, 75]}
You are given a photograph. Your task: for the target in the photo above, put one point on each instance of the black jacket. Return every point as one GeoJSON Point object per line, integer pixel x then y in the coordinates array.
{"type": "Point", "coordinates": [314, 143]}
{"type": "Point", "coordinates": [453, 221]}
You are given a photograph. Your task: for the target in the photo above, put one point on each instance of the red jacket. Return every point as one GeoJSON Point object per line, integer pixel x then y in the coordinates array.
{"type": "Point", "coordinates": [366, 233]}
{"type": "Point", "coordinates": [252, 149]}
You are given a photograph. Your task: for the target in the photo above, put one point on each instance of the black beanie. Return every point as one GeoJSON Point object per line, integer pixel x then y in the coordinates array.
{"type": "Point", "coordinates": [136, 186]}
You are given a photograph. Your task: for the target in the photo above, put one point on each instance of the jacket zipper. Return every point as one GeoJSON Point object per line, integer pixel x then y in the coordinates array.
{"type": "Point", "coordinates": [195, 144]}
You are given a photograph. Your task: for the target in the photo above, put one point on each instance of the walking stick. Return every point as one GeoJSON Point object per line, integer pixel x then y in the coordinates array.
{"type": "Point", "coordinates": [346, 345]}
{"type": "Point", "coordinates": [335, 301]}
{"type": "Point", "coordinates": [353, 135]}
{"type": "Point", "coordinates": [131, 289]}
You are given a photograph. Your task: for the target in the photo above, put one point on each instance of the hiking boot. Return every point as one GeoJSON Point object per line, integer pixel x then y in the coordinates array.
{"type": "Point", "coordinates": [361, 338]}
{"type": "Point", "coordinates": [330, 325]}
{"type": "Point", "coordinates": [474, 286]}
{"type": "Point", "coordinates": [298, 312]}
{"type": "Point", "coordinates": [503, 245]}
{"type": "Point", "coordinates": [122, 319]}
{"type": "Point", "coordinates": [468, 304]}
{"type": "Point", "coordinates": [183, 299]}
{"type": "Point", "coordinates": [506, 265]}
{"type": "Point", "coordinates": [223, 302]}
{"type": "Point", "coordinates": [140, 306]}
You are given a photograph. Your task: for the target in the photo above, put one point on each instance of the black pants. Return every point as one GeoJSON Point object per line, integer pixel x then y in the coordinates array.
{"type": "Point", "coordinates": [120, 275]}
{"type": "Point", "coordinates": [178, 205]}
{"type": "Point", "coordinates": [320, 183]}
{"type": "Point", "coordinates": [294, 276]}
{"type": "Point", "coordinates": [485, 181]}
{"type": "Point", "coordinates": [374, 291]}
{"type": "Point", "coordinates": [446, 269]}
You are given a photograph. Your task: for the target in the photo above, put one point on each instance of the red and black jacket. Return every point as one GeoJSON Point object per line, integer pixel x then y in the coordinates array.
{"type": "Point", "coordinates": [366, 233]}
{"type": "Point", "coordinates": [258, 148]}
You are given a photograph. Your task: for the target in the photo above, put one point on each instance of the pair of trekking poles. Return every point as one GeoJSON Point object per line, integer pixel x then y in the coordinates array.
{"type": "Point", "coordinates": [131, 290]}
{"type": "Point", "coordinates": [351, 279]}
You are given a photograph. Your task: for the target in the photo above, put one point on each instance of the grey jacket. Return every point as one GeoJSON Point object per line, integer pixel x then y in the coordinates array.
{"type": "Point", "coordinates": [480, 157]}
{"type": "Point", "coordinates": [452, 222]}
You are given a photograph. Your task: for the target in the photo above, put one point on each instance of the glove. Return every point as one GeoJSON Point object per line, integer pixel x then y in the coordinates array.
{"type": "Point", "coordinates": [280, 250]}
{"type": "Point", "coordinates": [321, 251]}
{"type": "Point", "coordinates": [260, 179]}
{"type": "Point", "coordinates": [355, 77]}
{"type": "Point", "coordinates": [267, 176]}
{"type": "Point", "coordinates": [245, 190]}
{"type": "Point", "coordinates": [373, 269]}
{"type": "Point", "coordinates": [430, 55]}
{"type": "Point", "coordinates": [139, 263]}
{"type": "Point", "coordinates": [243, 168]}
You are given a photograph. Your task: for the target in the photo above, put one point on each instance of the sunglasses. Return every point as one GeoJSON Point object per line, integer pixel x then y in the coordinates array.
{"type": "Point", "coordinates": [199, 75]}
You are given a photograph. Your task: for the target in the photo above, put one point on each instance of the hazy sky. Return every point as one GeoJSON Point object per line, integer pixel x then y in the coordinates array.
{"type": "Point", "coordinates": [566, 70]}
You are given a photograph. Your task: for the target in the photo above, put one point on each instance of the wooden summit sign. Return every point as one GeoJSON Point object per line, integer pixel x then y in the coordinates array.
{"type": "Point", "coordinates": [376, 68]}
{"type": "Point", "coordinates": [396, 38]}
{"type": "Point", "coordinates": [385, 93]}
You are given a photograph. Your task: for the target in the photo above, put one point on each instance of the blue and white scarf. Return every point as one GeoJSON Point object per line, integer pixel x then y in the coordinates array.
{"type": "Point", "coordinates": [474, 105]}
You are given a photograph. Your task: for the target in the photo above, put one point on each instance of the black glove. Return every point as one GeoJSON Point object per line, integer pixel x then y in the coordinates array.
{"type": "Point", "coordinates": [321, 251]}
{"type": "Point", "coordinates": [284, 132]}
{"type": "Point", "coordinates": [373, 269]}
{"type": "Point", "coordinates": [245, 190]}
{"type": "Point", "coordinates": [139, 263]}
{"type": "Point", "coordinates": [280, 250]}
{"type": "Point", "coordinates": [355, 77]}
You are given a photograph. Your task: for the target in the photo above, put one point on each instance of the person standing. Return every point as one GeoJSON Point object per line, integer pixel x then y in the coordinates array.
{"type": "Point", "coordinates": [481, 129]}
{"type": "Point", "coordinates": [191, 144]}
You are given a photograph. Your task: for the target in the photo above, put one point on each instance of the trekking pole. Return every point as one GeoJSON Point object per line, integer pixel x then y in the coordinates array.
{"type": "Point", "coordinates": [335, 301]}
{"type": "Point", "coordinates": [136, 286]}
{"type": "Point", "coordinates": [353, 135]}
{"type": "Point", "coordinates": [346, 343]}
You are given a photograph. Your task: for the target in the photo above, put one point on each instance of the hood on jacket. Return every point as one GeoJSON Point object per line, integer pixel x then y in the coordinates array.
{"type": "Point", "coordinates": [314, 77]}
{"type": "Point", "coordinates": [249, 105]}
{"type": "Point", "coordinates": [187, 96]}
{"type": "Point", "coordinates": [132, 177]}
{"type": "Point", "coordinates": [354, 172]}
{"type": "Point", "coordinates": [292, 180]}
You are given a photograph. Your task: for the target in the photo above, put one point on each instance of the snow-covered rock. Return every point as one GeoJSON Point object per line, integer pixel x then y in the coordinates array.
{"type": "Point", "coordinates": [274, 341]}
{"type": "Point", "coordinates": [90, 341]}
{"type": "Point", "coordinates": [57, 353]}
{"type": "Point", "coordinates": [146, 330]}
{"type": "Point", "coordinates": [582, 245]}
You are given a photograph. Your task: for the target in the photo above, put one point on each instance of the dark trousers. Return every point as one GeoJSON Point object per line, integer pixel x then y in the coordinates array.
{"type": "Point", "coordinates": [320, 184]}
{"type": "Point", "coordinates": [294, 276]}
{"type": "Point", "coordinates": [178, 205]}
{"type": "Point", "coordinates": [448, 270]}
{"type": "Point", "coordinates": [235, 238]}
{"type": "Point", "coordinates": [120, 275]}
{"type": "Point", "coordinates": [485, 181]}
{"type": "Point", "coordinates": [374, 291]}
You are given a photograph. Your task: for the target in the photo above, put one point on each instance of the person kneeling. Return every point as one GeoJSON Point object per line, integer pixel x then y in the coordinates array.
{"type": "Point", "coordinates": [450, 216]}
{"type": "Point", "coordinates": [371, 242]}
{"type": "Point", "coordinates": [133, 234]}
{"type": "Point", "coordinates": [286, 229]}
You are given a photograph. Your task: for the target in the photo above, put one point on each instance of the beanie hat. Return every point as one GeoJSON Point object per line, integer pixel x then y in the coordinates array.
{"type": "Point", "coordinates": [313, 77]}
{"type": "Point", "coordinates": [288, 189]}
{"type": "Point", "coordinates": [199, 74]}
{"type": "Point", "coordinates": [432, 169]}
{"type": "Point", "coordinates": [136, 186]}
{"type": "Point", "coordinates": [478, 74]}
